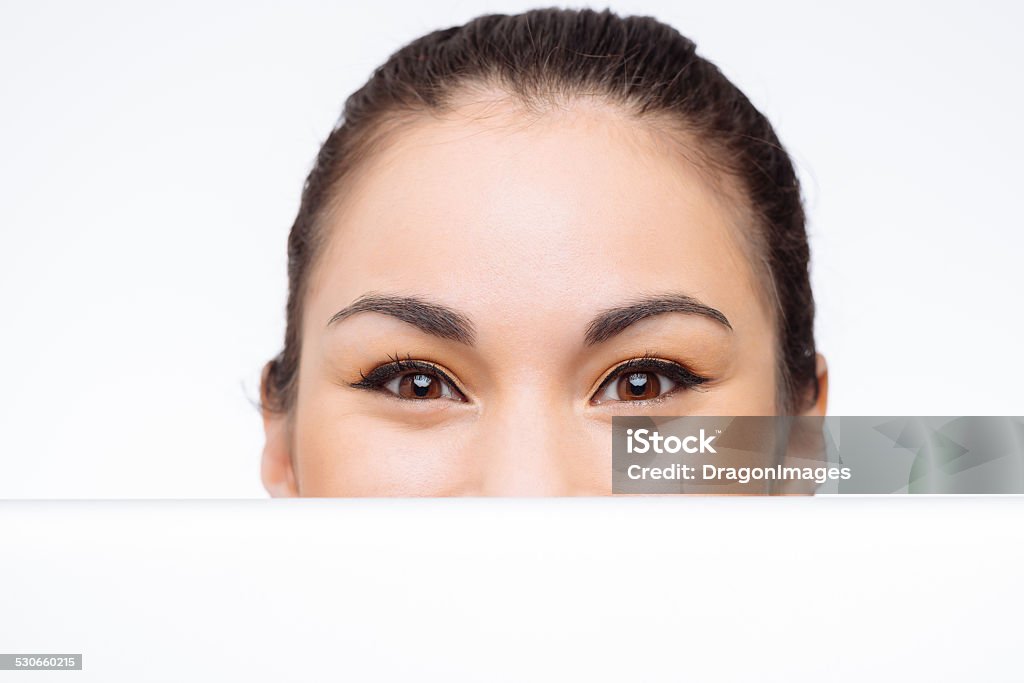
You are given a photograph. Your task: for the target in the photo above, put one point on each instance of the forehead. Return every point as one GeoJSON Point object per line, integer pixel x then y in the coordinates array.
{"type": "Point", "coordinates": [497, 212]}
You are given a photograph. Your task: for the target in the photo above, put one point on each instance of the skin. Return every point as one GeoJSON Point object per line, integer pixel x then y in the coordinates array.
{"type": "Point", "coordinates": [528, 231]}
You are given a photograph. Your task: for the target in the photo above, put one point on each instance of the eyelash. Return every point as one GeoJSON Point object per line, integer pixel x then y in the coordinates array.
{"type": "Point", "coordinates": [684, 378]}
{"type": "Point", "coordinates": [677, 372]}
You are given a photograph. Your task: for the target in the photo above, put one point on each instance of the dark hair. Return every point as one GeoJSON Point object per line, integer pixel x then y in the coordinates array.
{"type": "Point", "coordinates": [639, 63]}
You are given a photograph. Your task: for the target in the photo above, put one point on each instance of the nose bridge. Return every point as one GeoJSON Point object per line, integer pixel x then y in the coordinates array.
{"type": "Point", "coordinates": [528, 448]}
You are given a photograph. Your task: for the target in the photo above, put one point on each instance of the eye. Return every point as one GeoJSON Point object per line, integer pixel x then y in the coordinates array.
{"type": "Point", "coordinates": [421, 385]}
{"type": "Point", "coordinates": [409, 379]}
{"type": "Point", "coordinates": [645, 380]}
{"type": "Point", "coordinates": [636, 386]}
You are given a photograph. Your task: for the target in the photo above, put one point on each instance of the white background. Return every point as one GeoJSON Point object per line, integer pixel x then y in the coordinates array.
{"type": "Point", "coordinates": [670, 589]}
{"type": "Point", "coordinates": [152, 155]}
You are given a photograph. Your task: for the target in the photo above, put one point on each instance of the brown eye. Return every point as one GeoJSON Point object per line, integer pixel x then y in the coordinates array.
{"type": "Point", "coordinates": [646, 379]}
{"type": "Point", "coordinates": [638, 386]}
{"type": "Point", "coordinates": [635, 385]}
{"type": "Point", "coordinates": [421, 385]}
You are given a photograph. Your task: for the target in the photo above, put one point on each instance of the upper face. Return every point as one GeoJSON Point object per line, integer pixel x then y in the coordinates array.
{"type": "Point", "coordinates": [486, 254]}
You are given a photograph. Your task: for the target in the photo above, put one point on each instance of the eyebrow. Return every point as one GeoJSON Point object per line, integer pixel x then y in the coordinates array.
{"type": "Point", "coordinates": [447, 323]}
{"type": "Point", "coordinates": [434, 319]}
{"type": "Point", "coordinates": [615, 320]}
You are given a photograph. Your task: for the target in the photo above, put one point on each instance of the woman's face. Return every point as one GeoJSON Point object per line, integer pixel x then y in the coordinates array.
{"type": "Point", "coordinates": [533, 279]}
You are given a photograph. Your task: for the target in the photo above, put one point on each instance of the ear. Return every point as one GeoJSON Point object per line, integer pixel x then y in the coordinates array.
{"type": "Point", "coordinates": [276, 469]}
{"type": "Point", "coordinates": [820, 403]}
{"type": "Point", "coordinates": [806, 446]}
